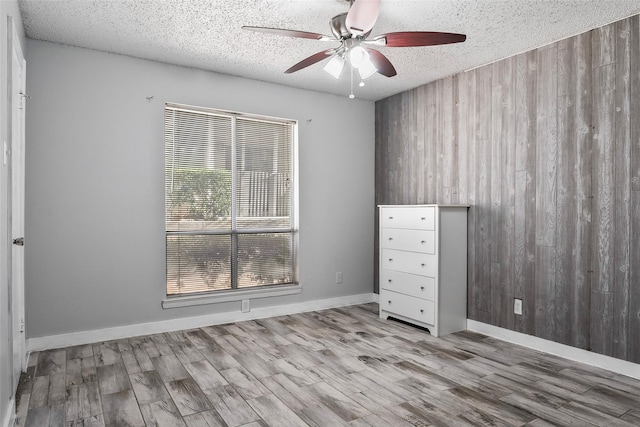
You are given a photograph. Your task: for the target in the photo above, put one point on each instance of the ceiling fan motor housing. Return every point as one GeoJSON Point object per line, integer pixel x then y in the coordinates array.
{"type": "Point", "coordinates": [339, 27]}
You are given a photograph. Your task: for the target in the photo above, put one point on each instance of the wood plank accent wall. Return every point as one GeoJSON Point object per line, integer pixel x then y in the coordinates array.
{"type": "Point", "coordinates": [545, 147]}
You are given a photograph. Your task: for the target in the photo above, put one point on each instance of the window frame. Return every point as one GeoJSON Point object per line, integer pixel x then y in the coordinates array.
{"type": "Point", "coordinates": [236, 293]}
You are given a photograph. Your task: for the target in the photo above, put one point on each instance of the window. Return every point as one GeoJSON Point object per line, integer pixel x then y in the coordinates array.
{"type": "Point", "coordinates": [230, 200]}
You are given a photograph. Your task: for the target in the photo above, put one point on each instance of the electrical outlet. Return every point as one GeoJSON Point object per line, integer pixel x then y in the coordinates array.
{"type": "Point", "coordinates": [246, 305]}
{"type": "Point", "coordinates": [338, 277]}
{"type": "Point", "coordinates": [517, 306]}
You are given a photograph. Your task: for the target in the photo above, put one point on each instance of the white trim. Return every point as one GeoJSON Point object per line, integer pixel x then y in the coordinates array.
{"type": "Point", "coordinates": [590, 358]}
{"type": "Point", "coordinates": [235, 295]}
{"type": "Point", "coordinates": [10, 416]}
{"type": "Point", "coordinates": [376, 298]}
{"type": "Point", "coordinates": [119, 332]}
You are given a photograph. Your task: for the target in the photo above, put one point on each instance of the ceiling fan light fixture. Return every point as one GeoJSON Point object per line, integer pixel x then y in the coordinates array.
{"type": "Point", "coordinates": [335, 66]}
{"type": "Point", "coordinates": [358, 56]}
{"type": "Point", "coordinates": [367, 69]}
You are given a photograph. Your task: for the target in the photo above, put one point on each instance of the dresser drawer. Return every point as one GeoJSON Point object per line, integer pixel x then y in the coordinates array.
{"type": "Point", "coordinates": [404, 305]}
{"type": "Point", "coordinates": [410, 284]}
{"type": "Point", "coordinates": [417, 218]}
{"type": "Point", "coordinates": [409, 240]}
{"type": "Point", "coordinates": [409, 262]}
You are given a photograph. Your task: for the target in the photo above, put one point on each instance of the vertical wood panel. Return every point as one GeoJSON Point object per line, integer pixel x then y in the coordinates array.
{"type": "Point", "coordinates": [573, 193]}
{"type": "Point", "coordinates": [390, 150]}
{"type": "Point", "coordinates": [498, 310]}
{"type": "Point", "coordinates": [381, 144]}
{"type": "Point", "coordinates": [520, 262]}
{"type": "Point", "coordinates": [483, 192]}
{"type": "Point", "coordinates": [430, 143]}
{"type": "Point", "coordinates": [419, 106]}
{"type": "Point", "coordinates": [440, 108]}
{"type": "Point", "coordinates": [462, 118]}
{"type": "Point", "coordinates": [566, 206]}
{"type": "Point", "coordinates": [603, 198]}
{"type": "Point", "coordinates": [601, 322]}
{"type": "Point", "coordinates": [393, 194]}
{"type": "Point", "coordinates": [495, 170]}
{"type": "Point", "coordinates": [401, 152]}
{"type": "Point", "coordinates": [634, 65]}
{"type": "Point", "coordinates": [455, 125]}
{"type": "Point", "coordinates": [547, 146]}
{"type": "Point", "coordinates": [603, 189]}
{"type": "Point", "coordinates": [622, 194]}
{"type": "Point", "coordinates": [445, 141]}
{"type": "Point", "coordinates": [470, 132]}
{"type": "Point", "coordinates": [502, 191]}
{"type": "Point", "coordinates": [379, 165]}
{"type": "Point", "coordinates": [634, 247]}
{"type": "Point", "coordinates": [583, 137]}
{"type": "Point", "coordinates": [603, 44]}
{"type": "Point", "coordinates": [408, 143]}
{"type": "Point", "coordinates": [634, 276]}
{"type": "Point", "coordinates": [525, 202]}
{"type": "Point", "coordinates": [545, 287]}
{"type": "Point", "coordinates": [507, 247]}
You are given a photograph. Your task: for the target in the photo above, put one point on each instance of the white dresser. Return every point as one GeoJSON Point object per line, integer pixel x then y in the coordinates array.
{"type": "Point", "coordinates": [423, 265]}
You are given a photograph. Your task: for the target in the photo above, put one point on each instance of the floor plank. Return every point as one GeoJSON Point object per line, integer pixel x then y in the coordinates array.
{"type": "Point", "coordinates": [148, 387]}
{"type": "Point", "coordinates": [188, 397]}
{"type": "Point", "coordinates": [162, 414]}
{"type": "Point", "coordinates": [121, 409]}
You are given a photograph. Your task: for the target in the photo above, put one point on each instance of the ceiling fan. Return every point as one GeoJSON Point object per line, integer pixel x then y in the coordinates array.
{"type": "Point", "coordinates": [352, 30]}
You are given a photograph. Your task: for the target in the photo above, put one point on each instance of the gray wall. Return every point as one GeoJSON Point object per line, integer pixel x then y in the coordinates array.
{"type": "Point", "coordinates": [7, 9]}
{"type": "Point", "coordinates": [95, 192]}
{"type": "Point", "coordinates": [545, 147]}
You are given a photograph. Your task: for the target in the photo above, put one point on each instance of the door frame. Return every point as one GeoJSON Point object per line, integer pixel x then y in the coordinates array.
{"type": "Point", "coordinates": [16, 104]}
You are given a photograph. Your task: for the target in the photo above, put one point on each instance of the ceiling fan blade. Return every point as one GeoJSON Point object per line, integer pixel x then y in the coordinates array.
{"type": "Point", "coordinates": [417, 38]}
{"type": "Point", "coordinates": [311, 60]}
{"type": "Point", "coordinates": [288, 33]}
{"type": "Point", "coordinates": [382, 64]}
{"type": "Point", "coordinates": [362, 16]}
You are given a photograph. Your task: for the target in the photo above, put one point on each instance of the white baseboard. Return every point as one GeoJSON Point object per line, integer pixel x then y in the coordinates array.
{"type": "Point", "coordinates": [590, 358]}
{"type": "Point", "coordinates": [106, 334]}
{"type": "Point", "coordinates": [10, 416]}
{"type": "Point", "coordinates": [376, 298]}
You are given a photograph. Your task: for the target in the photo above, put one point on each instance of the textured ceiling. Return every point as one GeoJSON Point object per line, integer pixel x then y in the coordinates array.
{"type": "Point", "coordinates": [206, 34]}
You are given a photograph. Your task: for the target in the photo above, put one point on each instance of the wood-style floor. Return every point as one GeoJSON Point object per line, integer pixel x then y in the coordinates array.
{"type": "Point", "coordinates": [339, 367]}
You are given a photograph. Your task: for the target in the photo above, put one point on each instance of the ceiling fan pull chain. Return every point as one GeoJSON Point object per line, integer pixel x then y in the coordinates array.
{"type": "Point", "coordinates": [351, 95]}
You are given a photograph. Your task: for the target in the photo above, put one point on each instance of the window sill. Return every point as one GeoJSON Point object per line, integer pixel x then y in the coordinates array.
{"type": "Point", "coordinates": [227, 296]}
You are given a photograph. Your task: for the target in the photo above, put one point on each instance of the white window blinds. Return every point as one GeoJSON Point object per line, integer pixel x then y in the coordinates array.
{"type": "Point", "coordinates": [229, 200]}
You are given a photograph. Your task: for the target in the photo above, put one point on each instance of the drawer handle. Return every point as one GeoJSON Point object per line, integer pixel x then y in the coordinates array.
{"type": "Point", "coordinates": [390, 259]}
{"type": "Point", "coordinates": [390, 217]}
{"type": "Point", "coordinates": [422, 288]}
{"type": "Point", "coordinates": [422, 265]}
{"type": "Point", "coordinates": [390, 238]}
{"type": "Point", "coordinates": [421, 311]}
{"type": "Point", "coordinates": [423, 218]}
{"type": "Point", "coordinates": [389, 280]}
{"type": "Point", "coordinates": [389, 302]}
{"type": "Point", "coordinates": [423, 242]}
